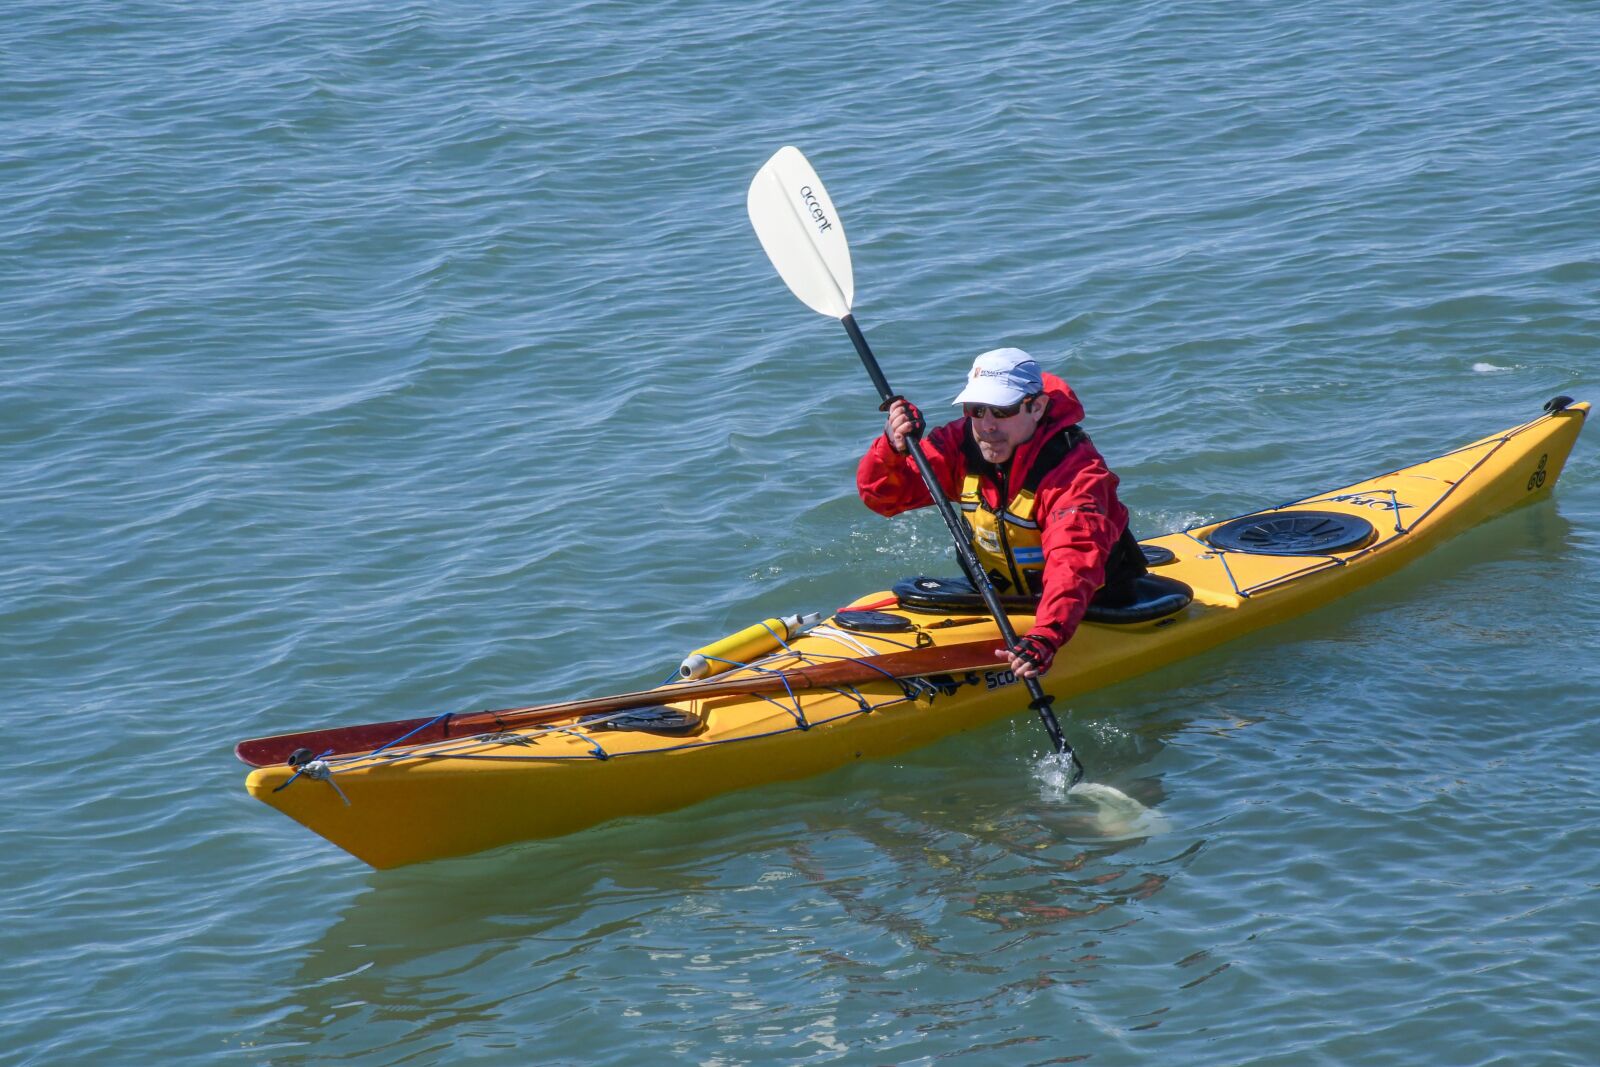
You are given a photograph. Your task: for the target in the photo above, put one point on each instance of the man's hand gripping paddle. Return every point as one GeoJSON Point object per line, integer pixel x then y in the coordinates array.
{"type": "Point", "coordinates": [801, 232]}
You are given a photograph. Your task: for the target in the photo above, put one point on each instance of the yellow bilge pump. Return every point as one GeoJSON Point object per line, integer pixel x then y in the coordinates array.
{"type": "Point", "coordinates": [748, 644]}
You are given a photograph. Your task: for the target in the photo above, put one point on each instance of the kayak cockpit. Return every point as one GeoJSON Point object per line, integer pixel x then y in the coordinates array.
{"type": "Point", "coordinates": [1154, 597]}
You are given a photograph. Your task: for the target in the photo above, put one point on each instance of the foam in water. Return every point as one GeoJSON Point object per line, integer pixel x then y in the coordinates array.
{"type": "Point", "coordinates": [1489, 368]}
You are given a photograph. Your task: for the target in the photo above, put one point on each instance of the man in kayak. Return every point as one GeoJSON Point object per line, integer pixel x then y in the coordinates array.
{"type": "Point", "coordinates": [1041, 501]}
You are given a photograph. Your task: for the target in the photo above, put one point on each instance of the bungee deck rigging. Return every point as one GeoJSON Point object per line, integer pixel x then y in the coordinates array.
{"type": "Point", "coordinates": [1486, 446]}
{"type": "Point", "coordinates": [325, 767]}
{"type": "Point", "coordinates": [776, 666]}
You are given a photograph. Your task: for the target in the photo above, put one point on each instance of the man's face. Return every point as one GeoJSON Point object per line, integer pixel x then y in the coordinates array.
{"type": "Point", "coordinates": [998, 437]}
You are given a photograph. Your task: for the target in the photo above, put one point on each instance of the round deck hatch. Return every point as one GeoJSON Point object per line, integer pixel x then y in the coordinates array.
{"type": "Point", "coordinates": [1156, 556]}
{"type": "Point", "coordinates": [1293, 533]}
{"type": "Point", "coordinates": [873, 622]}
{"type": "Point", "coordinates": [653, 720]}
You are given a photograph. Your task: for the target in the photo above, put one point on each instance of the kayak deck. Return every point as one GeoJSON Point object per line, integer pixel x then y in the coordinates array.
{"type": "Point", "coordinates": [407, 804]}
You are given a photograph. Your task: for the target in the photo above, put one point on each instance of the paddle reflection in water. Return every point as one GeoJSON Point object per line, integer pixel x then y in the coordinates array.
{"type": "Point", "coordinates": [979, 850]}
{"type": "Point", "coordinates": [998, 865]}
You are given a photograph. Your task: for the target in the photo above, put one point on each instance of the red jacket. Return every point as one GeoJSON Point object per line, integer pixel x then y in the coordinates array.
{"type": "Point", "coordinates": [1079, 515]}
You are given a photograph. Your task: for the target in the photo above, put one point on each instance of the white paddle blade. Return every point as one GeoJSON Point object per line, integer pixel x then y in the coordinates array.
{"type": "Point", "coordinates": [801, 232]}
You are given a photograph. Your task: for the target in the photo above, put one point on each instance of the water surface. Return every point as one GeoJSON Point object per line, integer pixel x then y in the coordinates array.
{"type": "Point", "coordinates": [366, 360]}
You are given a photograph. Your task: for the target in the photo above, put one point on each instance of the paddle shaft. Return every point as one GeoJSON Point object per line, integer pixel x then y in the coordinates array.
{"type": "Point", "coordinates": [958, 533]}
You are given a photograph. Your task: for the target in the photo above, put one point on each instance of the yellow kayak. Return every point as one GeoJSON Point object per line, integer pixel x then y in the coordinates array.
{"type": "Point", "coordinates": [554, 772]}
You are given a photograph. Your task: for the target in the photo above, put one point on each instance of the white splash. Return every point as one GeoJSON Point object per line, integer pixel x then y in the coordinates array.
{"type": "Point", "coordinates": [1489, 368]}
{"type": "Point", "coordinates": [1054, 772]}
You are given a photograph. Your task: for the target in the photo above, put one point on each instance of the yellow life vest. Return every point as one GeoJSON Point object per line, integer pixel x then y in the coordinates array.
{"type": "Point", "coordinates": [1007, 539]}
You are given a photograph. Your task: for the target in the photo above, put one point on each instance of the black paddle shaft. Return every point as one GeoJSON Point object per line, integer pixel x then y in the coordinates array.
{"type": "Point", "coordinates": [969, 559]}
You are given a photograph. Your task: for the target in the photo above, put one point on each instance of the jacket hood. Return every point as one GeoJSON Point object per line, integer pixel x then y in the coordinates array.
{"type": "Point", "coordinates": [1065, 408]}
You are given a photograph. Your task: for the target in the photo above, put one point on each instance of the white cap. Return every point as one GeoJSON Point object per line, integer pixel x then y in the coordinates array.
{"type": "Point", "coordinates": [1001, 376]}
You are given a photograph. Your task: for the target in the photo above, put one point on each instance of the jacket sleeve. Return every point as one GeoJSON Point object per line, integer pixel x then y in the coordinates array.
{"type": "Point", "coordinates": [889, 483]}
{"type": "Point", "coordinates": [1080, 522]}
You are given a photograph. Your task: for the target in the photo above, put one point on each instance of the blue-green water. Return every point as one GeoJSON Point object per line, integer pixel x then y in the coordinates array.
{"type": "Point", "coordinates": [362, 361]}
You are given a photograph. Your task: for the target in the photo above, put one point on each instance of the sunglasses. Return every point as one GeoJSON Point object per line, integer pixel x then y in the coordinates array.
{"type": "Point", "coordinates": [977, 411]}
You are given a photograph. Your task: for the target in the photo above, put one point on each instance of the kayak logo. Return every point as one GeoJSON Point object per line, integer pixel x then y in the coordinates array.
{"type": "Point", "coordinates": [1536, 479]}
{"type": "Point", "coordinates": [814, 209]}
{"type": "Point", "coordinates": [996, 679]}
{"type": "Point", "coordinates": [1364, 500]}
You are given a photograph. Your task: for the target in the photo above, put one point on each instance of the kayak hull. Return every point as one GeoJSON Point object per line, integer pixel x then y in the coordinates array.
{"type": "Point", "coordinates": [408, 805]}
